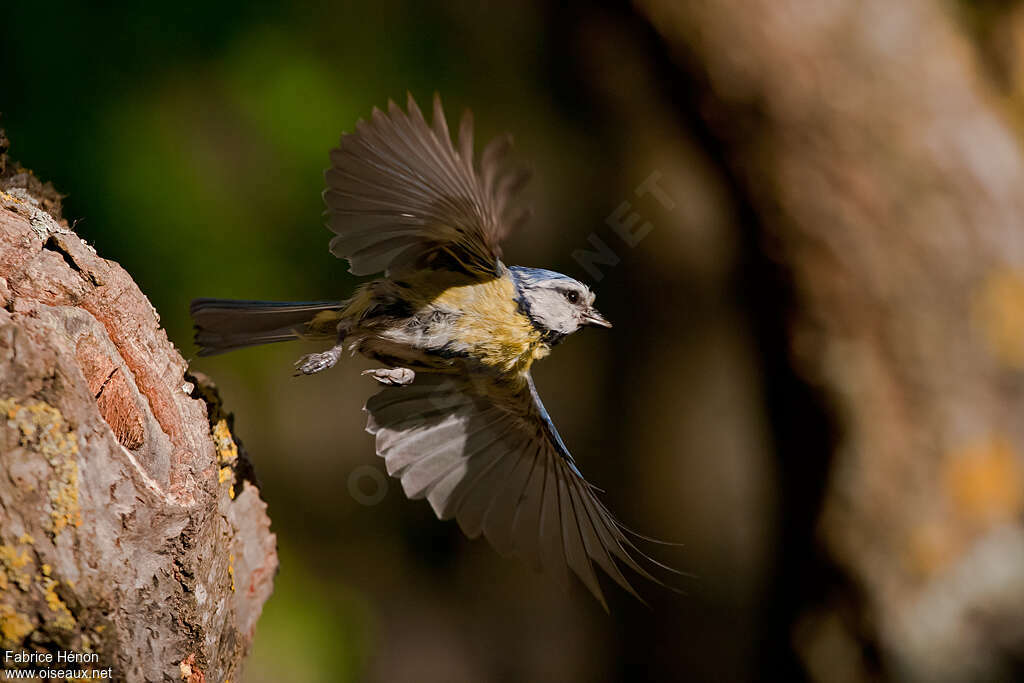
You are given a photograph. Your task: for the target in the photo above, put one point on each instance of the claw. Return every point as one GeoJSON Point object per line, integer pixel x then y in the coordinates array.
{"type": "Point", "coordinates": [392, 376]}
{"type": "Point", "coordinates": [313, 363]}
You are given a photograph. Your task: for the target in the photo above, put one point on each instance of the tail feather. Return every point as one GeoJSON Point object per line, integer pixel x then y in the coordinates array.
{"type": "Point", "coordinates": [224, 325]}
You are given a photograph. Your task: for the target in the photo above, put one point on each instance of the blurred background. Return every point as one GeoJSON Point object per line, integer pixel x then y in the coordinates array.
{"type": "Point", "coordinates": [744, 402]}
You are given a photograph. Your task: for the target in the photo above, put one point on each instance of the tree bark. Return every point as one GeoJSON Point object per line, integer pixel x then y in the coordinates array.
{"type": "Point", "coordinates": [889, 187]}
{"type": "Point", "coordinates": [130, 524]}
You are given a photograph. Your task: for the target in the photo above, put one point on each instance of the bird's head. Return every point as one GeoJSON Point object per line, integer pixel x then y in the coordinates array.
{"type": "Point", "coordinates": [556, 304]}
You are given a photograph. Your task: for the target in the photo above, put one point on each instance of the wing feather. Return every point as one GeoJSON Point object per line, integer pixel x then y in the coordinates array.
{"type": "Point", "coordinates": [575, 549]}
{"type": "Point", "coordinates": [466, 142]}
{"type": "Point", "coordinates": [599, 541]}
{"type": "Point", "coordinates": [448, 494]}
{"type": "Point", "coordinates": [423, 464]}
{"type": "Point", "coordinates": [526, 522]}
{"type": "Point", "coordinates": [440, 122]}
{"type": "Point", "coordinates": [424, 442]}
{"type": "Point", "coordinates": [429, 151]}
{"type": "Point", "coordinates": [499, 520]}
{"type": "Point", "coordinates": [480, 495]}
{"type": "Point", "coordinates": [456, 505]}
{"type": "Point", "coordinates": [399, 191]}
{"type": "Point", "coordinates": [488, 455]}
{"type": "Point", "coordinates": [552, 549]}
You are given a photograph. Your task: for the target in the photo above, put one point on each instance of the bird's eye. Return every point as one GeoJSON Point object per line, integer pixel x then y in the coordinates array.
{"type": "Point", "coordinates": [572, 296]}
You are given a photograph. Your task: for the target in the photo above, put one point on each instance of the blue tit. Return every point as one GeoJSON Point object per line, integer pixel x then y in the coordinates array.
{"type": "Point", "coordinates": [459, 421]}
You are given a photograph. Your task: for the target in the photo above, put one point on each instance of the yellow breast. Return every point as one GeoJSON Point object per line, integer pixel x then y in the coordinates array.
{"type": "Point", "coordinates": [491, 327]}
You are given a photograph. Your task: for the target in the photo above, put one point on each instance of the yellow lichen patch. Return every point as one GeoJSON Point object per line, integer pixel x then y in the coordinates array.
{"type": "Point", "coordinates": [227, 474]}
{"type": "Point", "coordinates": [998, 313]}
{"type": "Point", "coordinates": [44, 430]}
{"type": "Point", "coordinates": [986, 481]}
{"type": "Point", "coordinates": [227, 451]}
{"type": "Point", "coordinates": [5, 197]}
{"type": "Point", "coordinates": [63, 618]}
{"type": "Point", "coordinates": [14, 627]}
{"type": "Point", "coordinates": [13, 564]}
{"type": "Point", "coordinates": [64, 496]}
{"type": "Point", "coordinates": [26, 539]}
{"type": "Point", "coordinates": [231, 570]}
{"type": "Point", "coordinates": [227, 454]}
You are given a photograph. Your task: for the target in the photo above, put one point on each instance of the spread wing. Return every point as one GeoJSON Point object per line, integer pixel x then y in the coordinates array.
{"type": "Point", "coordinates": [488, 455]}
{"type": "Point", "coordinates": [400, 194]}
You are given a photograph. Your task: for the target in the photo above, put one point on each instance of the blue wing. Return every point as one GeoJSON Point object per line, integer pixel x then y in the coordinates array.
{"type": "Point", "coordinates": [486, 453]}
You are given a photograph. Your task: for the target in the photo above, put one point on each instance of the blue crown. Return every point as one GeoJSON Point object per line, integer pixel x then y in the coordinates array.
{"type": "Point", "coordinates": [528, 277]}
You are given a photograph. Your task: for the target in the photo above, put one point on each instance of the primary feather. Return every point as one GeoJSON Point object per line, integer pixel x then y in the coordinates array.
{"type": "Point", "coordinates": [487, 454]}
{"type": "Point", "coordinates": [400, 194]}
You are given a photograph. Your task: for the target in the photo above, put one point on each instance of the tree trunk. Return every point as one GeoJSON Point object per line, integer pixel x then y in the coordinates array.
{"type": "Point", "coordinates": [890, 189]}
{"type": "Point", "coordinates": [132, 533]}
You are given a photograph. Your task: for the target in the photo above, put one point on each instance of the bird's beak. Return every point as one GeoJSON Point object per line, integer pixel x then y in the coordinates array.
{"type": "Point", "coordinates": [592, 317]}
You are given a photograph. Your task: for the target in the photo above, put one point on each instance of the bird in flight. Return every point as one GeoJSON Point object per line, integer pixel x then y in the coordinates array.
{"type": "Point", "coordinates": [459, 421]}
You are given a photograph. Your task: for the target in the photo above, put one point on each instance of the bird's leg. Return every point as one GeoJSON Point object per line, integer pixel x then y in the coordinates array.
{"type": "Point", "coordinates": [394, 376]}
{"type": "Point", "coordinates": [313, 363]}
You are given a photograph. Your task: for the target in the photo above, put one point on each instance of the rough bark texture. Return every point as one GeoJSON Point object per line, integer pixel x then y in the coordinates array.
{"type": "Point", "coordinates": [890, 188]}
{"type": "Point", "coordinates": [130, 525]}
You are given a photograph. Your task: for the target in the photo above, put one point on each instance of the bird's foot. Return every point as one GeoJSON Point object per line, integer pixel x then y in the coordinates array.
{"type": "Point", "coordinates": [313, 363]}
{"type": "Point", "coordinates": [392, 376]}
